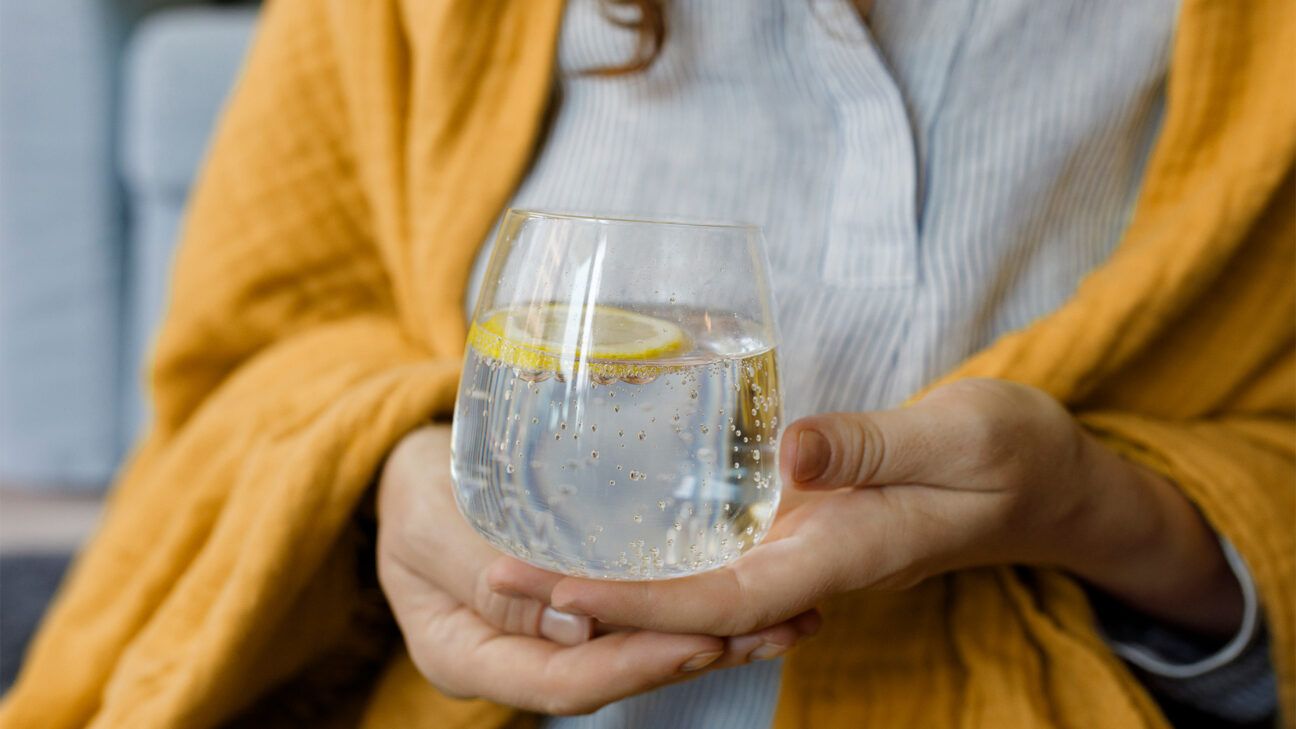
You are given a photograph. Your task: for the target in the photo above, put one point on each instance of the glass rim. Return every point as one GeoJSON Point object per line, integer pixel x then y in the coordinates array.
{"type": "Point", "coordinates": [603, 219]}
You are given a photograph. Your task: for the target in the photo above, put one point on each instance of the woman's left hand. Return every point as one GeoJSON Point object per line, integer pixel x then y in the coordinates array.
{"type": "Point", "coordinates": [979, 472]}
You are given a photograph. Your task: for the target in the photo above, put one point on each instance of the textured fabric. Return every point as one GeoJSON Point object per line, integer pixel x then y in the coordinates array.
{"type": "Point", "coordinates": [316, 317]}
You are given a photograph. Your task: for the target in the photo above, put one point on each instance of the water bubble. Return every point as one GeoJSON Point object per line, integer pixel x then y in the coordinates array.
{"type": "Point", "coordinates": [557, 436]}
{"type": "Point", "coordinates": [535, 421]}
{"type": "Point", "coordinates": [637, 518]}
{"type": "Point", "coordinates": [509, 468]}
{"type": "Point", "coordinates": [591, 539]}
{"type": "Point", "coordinates": [749, 530]}
{"type": "Point", "coordinates": [755, 455]}
{"type": "Point", "coordinates": [706, 428]}
{"type": "Point", "coordinates": [642, 435]}
{"type": "Point", "coordinates": [594, 455]}
{"type": "Point", "coordinates": [562, 425]}
{"type": "Point", "coordinates": [616, 408]}
{"type": "Point", "coordinates": [611, 482]}
{"type": "Point", "coordinates": [661, 504]}
{"type": "Point", "coordinates": [678, 527]}
{"type": "Point", "coordinates": [593, 428]}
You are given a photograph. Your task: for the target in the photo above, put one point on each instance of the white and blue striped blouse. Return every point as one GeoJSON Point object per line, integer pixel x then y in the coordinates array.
{"type": "Point", "coordinates": [926, 184]}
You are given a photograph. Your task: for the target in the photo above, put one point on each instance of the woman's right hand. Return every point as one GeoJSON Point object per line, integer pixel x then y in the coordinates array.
{"type": "Point", "coordinates": [470, 641]}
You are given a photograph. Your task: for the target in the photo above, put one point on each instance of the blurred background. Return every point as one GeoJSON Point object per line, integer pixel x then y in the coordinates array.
{"type": "Point", "coordinates": [105, 111]}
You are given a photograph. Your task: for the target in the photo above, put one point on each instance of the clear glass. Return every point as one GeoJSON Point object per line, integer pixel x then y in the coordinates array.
{"type": "Point", "coordinates": [619, 410]}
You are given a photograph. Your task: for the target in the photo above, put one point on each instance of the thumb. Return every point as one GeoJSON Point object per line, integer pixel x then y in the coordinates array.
{"type": "Point", "coordinates": [853, 450]}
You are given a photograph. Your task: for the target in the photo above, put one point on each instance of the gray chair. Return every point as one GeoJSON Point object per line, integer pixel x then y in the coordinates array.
{"type": "Point", "coordinates": [105, 109]}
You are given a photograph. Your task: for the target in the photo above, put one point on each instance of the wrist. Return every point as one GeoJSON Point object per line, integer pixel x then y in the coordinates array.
{"type": "Point", "coordinates": [1141, 541]}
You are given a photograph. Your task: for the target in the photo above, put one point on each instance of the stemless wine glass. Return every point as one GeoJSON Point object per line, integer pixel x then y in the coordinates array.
{"type": "Point", "coordinates": [618, 414]}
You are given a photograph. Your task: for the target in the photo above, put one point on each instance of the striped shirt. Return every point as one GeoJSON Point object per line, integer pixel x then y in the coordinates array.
{"type": "Point", "coordinates": [926, 183]}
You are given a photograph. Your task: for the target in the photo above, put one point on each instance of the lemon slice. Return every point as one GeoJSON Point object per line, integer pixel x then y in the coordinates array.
{"type": "Point", "coordinates": [616, 341]}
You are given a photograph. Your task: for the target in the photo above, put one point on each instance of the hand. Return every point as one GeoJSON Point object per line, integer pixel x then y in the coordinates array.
{"type": "Point", "coordinates": [979, 472]}
{"type": "Point", "coordinates": [470, 641]}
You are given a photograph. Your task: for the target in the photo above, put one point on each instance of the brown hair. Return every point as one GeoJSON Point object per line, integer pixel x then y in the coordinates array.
{"type": "Point", "coordinates": [648, 18]}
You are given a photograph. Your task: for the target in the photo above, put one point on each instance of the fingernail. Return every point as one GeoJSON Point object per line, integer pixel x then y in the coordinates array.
{"type": "Point", "coordinates": [565, 628]}
{"type": "Point", "coordinates": [701, 660]}
{"type": "Point", "coordinates": [811, 456]}
{"type": "Point", "coordinates": [767, 651]}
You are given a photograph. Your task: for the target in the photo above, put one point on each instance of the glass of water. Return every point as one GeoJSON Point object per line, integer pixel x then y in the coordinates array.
{"type": "Point", "coordinates": [619, 410]}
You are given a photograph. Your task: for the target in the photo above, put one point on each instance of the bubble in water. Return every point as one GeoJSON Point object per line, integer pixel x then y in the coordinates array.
{"type": "Point", "coordinates": [755, 454]}
{"type": "Point", "coordinates": [509, 468]}
{"type": "Point", "coordinates": [661, 504]}
{"type": "Point", "coordinates": [680, 527]}
{"type": "Point", "coordinates": [611, 482]}
{"type": "Point", "coordinates": [637, 518]}
{"type": "Point", "coordinates": [642, 435]}
{"type": "Point", "coordinates": [706, 428]}
{"type": "Point", "coordinates": [535, 421]}
{"type": "Point", "coordinates": [594, 455]}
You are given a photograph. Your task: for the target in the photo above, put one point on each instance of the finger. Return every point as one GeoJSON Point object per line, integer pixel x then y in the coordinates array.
{"type": "Point", "coordinates": [852, 450]}
{"type": "Point", "coordinates": [513, 577]}
{"type": "Point", "coordinates": [773, 582]}
{"type": "Point", "coordinates": [767, 643]}
{"type": "Point", "coordinates": [462, 654]}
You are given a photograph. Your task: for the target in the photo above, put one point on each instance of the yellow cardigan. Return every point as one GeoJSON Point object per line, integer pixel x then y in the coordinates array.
{"type": "Point", "coordinates": [315, 319]}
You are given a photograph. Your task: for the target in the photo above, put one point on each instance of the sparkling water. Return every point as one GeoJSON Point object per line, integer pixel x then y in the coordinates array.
{"type": "Point", "coordinates": [642, 471]}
